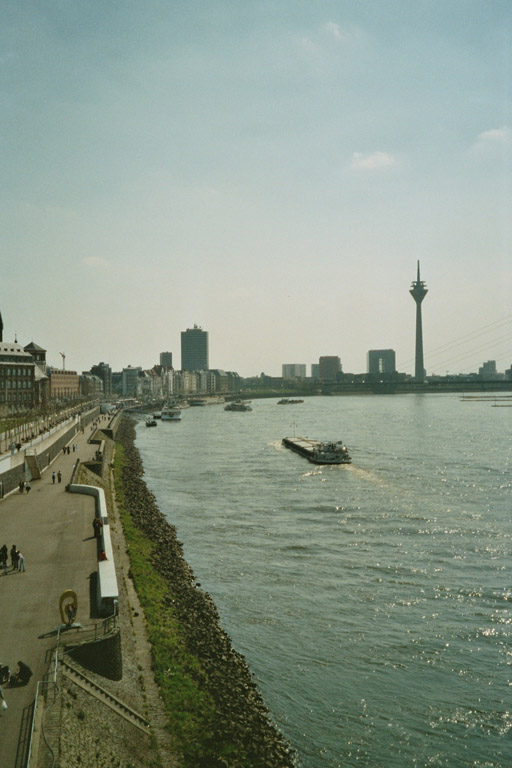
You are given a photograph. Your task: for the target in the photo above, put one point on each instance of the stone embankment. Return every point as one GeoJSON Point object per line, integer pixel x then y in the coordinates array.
{"type": "Point", "coordinates": [241, 717]}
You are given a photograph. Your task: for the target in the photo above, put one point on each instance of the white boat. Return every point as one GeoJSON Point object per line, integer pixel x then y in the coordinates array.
{"type": "Point", "coordinates": [171, 413]}
{"type": "Point", "coordinates": [238, 405]}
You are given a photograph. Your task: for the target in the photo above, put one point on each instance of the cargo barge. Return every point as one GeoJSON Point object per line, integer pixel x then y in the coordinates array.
{"type": "Point", "coordinates": [318, 452]}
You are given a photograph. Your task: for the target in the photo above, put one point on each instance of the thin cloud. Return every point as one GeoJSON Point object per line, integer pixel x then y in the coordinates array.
{"type": "Point", "coordinates": [95, 261]}
{"type": "Point", "coordinates": [334, 30]}
{"type": "Point", "coordinates": [492, 143]}
{"type": "Point", "coordinates": [372, 161]}
{"type": "Point", "coordinates": [503, 134]}
{"type": "Point", "coordinates": [332, 38]}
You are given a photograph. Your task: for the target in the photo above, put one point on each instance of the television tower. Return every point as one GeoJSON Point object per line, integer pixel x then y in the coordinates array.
{"type": "Point", "coordinates": [418, 292]}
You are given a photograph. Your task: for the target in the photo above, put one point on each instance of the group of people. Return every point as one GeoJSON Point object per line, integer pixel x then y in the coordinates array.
{"type": "Point", "coordinates": [57, 476]}
{"type": "Point", "coordinates": [21, 676]}
{"type": "Point", "coordinates": [24, 485]}
{"type": "Point", "coordinates": [17, 559]}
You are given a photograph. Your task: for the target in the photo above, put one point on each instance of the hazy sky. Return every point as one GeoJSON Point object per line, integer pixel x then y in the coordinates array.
{"type": "Point", "coordinates": [269, 170]}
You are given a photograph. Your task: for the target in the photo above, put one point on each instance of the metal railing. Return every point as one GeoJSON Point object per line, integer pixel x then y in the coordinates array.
{"type": "Point", "coordinates": [94, 632]}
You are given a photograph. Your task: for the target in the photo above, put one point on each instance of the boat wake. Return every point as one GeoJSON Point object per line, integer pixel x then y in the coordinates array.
{"type": "Point", "coordinates": [367, 474]}
{"type": "Point", "coordinates": [312, 472]}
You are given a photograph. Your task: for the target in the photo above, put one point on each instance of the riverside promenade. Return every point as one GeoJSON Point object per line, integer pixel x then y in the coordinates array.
{"type": "Point", "coordinates": [53, 530]}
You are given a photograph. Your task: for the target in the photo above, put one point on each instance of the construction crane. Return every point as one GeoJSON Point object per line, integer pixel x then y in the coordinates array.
{"type": "Point", "coordinates": [63, 360]}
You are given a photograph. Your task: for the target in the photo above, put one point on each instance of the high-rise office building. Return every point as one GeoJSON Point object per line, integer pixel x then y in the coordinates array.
{"type": "Point", "coordinates": [166, 359]}
{"type": "Point", "coordinates": [130, 378]}
{"type": "Point", "coordinates": [381, 361]}
{"type": "Point", "coordinates": [294, 370]}
{"type": "Point", "coordinates": [418, 291]}
{"type": "Point", "coordinates": [104, 372]}
{"type": "Point", "coordinates": [329, 367]}
{"type": "Point", "coordinates": [488, 371]}
{"type": "Point", "coordinates": [194, 349]}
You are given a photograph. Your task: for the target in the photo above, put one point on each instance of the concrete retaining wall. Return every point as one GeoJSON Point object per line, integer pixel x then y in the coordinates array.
{"type": "Point", "coordinates": [45, 447]}
{"type": "Point", "coordinates": [108, 592]}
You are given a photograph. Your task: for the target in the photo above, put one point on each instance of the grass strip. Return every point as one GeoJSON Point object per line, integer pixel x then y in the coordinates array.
{"type": "Point", "coordinates": [189, 708]}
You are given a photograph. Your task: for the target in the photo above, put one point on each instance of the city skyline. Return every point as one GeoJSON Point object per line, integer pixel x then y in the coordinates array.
{"type": "Point", "coordinates": [163, 358]}
{"type": "Point", "coordinates": [272, 172]}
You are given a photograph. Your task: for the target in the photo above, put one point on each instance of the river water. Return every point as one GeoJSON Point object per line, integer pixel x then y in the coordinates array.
{"type": "Point", "coordinates": [372, 601]}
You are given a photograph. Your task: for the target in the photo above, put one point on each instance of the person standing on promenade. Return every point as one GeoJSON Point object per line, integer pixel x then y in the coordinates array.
{"type": "Point", "coordinates": [3, 558]}
{"type": "Point", "coordinates": [59, 476]}
{"type": "Point", "coordinates": [14, 561]}
{"type": "Point", "coordinates": [21, 485]}
{"type": "Point", "coordinates": [53, 477]}
{"type": "Point", "coordinates": [21, 562]}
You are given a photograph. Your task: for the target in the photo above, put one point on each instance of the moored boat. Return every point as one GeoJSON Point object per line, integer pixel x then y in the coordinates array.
{"type": "Point", "coordinates": [150, 422]}
{"type": "Point", "coordinates": [171, 413]}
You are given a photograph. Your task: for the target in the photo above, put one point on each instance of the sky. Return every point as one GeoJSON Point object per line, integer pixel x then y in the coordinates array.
{"type": "Point", "coordinates": [271, 171]}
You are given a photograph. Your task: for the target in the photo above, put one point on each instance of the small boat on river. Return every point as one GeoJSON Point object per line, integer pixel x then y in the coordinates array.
{"type": "Point", "coordinates": [150, 422]}
{"type": "Point", "coordinates": [238, 405]}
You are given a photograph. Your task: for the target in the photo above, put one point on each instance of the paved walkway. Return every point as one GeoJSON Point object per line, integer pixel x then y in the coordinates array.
{"type": "Point", "coordinates": [53, 530]}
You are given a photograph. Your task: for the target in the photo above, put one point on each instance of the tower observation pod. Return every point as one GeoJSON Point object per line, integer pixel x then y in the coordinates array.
{"type": "Point", "coordinates": [418, 291]}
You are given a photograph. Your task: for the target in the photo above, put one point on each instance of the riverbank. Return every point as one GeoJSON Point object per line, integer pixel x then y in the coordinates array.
{"type": "Point", "coordinates": [216, 713]}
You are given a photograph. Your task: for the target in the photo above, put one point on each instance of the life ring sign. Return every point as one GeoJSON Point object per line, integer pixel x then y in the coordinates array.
{"type": "Point", "coordinates": [68, 606]}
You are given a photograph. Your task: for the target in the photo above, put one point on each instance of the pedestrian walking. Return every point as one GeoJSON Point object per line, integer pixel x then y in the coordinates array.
{"type": "Point", "coordinates": [21, 485]}
{"type": "Point", "coordinates": [59, 476]}
{"type": "Point", "coordinates": [21, 562]}
{"type": "Point", "coordinates": [53, 477]}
